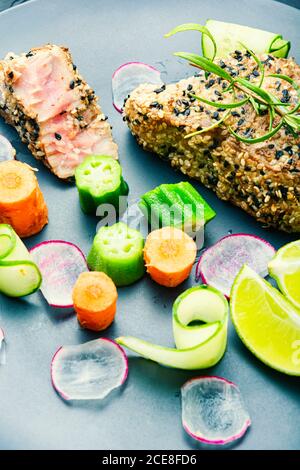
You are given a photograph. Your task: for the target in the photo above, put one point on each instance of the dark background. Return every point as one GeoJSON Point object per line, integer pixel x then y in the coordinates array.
{"type": "Point", "coordinates": [4, 4]}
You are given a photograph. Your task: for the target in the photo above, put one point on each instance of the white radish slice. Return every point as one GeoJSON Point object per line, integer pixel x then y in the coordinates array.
{"type": "Point", "coordinates": [2, 348]}
{"type": "Point", "coordinates": [7, 152]}
{"type": "Point", "coordinates": [88, 371]}
{"type": "Point", "coordinates": [213, 411]}
{"type": "Point", "coordinates": [60, 263]}
{"type": "Point", "coordinates": [128, 77]}
{"type": "Point", "coordinates": [219, 265]}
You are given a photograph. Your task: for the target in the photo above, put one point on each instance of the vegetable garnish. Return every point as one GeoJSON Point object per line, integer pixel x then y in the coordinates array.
{"type": "Point", "coordinates": [19, 275]}
{"type": "Point", "coordinates": [229, 36]}
{"type": "Point", "coordinates": [198, 346]}
{"type": "Point", "coordinates": [128, 77]}
{"type": "Point", "coordinates": [7, 152]}
{"type": "Point", "coordinates": [266, 322]}
{"type": "Point", "coordinates": [21, 200]}
{"type": "Point", "coordinates": [213, 411]}
{"type": "Point", "coordinates": [60, 263]}
{"type": "Point", "coordinates": [99, 181]}
{"type": "Point", "coordinates": [178, 205]}
{"type": "Point", "coordinates": [95, 300]}
{"type": "Point", "coordinates": [169, 256]}
{"type": "Point", "coordinates": [2, 347]}
{"type": "Point", "coordinates": [219, 265]}
{"type": "Point", "coordinates": [118, 251]}
{"type": "Point", "coordinates": [285, 268]}
{"type": "Point", "coordinates": [88, 371]}
{"type": "Point", "coordinates": [281, 113]}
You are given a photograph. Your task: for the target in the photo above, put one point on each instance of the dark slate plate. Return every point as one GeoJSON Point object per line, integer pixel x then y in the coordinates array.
{"type": "Point", "coordinates": [146, 412]}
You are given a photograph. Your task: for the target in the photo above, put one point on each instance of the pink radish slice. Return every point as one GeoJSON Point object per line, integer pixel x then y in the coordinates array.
{"type": "Point", "coordinates": [60, 263]}
{"type": "Point", "coordinates": [213, 411]}
{"type": "Point", "coordinates": [2, 348]}
{"type": "Point", "coordinates": [128, 77]}
{"type": "Point", "coordinates": [219, 265]}
{"type": "Point", "coordinates": [7, 152]}
{"type": "Point", "coordinates": [89, 371]}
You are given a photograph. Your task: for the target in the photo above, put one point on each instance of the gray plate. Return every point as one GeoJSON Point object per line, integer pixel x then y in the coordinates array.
{"type": "Point", "coordinates": [146, 412]}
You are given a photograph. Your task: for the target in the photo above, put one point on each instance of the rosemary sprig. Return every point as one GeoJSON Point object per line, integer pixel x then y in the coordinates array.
{"type": "Point", "coordinates": [286, 114]}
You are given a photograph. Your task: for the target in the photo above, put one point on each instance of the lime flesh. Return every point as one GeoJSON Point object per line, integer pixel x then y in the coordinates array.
{"type": "Point", "coordinates": [285, 268]}
{"type": "Point", "coordinates": [267, 323]}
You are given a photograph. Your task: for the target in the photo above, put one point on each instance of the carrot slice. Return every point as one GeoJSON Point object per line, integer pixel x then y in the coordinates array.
{"type": "Point", "coordinates": [22, 203]}
{"type": "Point", "coordinates": [169, 255]}
{"type": "Point", "coordinates": [95, 300]}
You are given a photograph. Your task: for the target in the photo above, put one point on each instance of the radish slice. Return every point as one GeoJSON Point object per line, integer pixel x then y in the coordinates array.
{"type": "Point", "coordinates": [213, 411]}
{"type": "Point", "coordinates": [2, 348]}
{"type": "Point", "coordinates": [88, 371]}
{"type": "Point", "coordinates": [128, 77]}
{"type": "Point", "coordinates": [60, 263]}
{"type": "Point", "coordinates": [7, 152]}
{"type": "Point", "coordinates": [219, 265]}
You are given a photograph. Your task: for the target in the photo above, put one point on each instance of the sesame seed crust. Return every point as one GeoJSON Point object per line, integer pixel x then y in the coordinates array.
{"type": "Point", "coordinates": [264, 178]}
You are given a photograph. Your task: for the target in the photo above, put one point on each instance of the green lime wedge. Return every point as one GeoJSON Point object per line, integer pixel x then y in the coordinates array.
{"type": "Point", "coordinates": [267, 323]}
{"type": "Point", "coordinates": [285, 268]}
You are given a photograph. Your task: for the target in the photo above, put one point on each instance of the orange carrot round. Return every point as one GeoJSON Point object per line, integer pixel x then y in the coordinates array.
{"type": "Point", "coordinates": [22, 204]}
{"type": "Point", "coordinates": [169, 255]}
{"type": "Point", "coordinates": [95, 300]}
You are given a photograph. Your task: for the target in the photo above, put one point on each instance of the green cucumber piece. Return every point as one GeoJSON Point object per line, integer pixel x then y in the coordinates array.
{"type": "Point", "coordinates": [118, 251]}
{"type": "Point", "coordinates": [99, 181]}
{"type": "Point", "coordinates": [178, 205]}
{"type": "Point", "coordinates": [198, 346]}
{"type": "Point", "coordinates": [19, 275]}
{"type": "Point", "coordinates": [229, 36]}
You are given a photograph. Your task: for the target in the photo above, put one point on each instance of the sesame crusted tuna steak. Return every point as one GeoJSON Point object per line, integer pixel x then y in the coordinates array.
{"type": "Point", "coordinates": [53, 109]}
{"type": "Point", "coordinates": [261, 178]}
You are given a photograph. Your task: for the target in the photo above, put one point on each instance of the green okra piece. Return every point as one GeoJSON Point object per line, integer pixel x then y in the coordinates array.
{"type": "Point", "coordinates": [118, 251]}
{"type": "Point", "coordinates": [99, 181]}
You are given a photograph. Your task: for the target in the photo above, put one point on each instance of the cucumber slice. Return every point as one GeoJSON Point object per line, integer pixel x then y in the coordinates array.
{"type": "Point", "coordinates": [19, 276]}
{"type": "Point", "coordinates": [199, 346]}
{"type": "Point", "coordinates": [118, 252]}
{"type": "Point", "coordinates": [229, 36]}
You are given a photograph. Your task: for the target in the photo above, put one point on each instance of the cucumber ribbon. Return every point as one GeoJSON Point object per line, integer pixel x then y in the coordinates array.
{"type": "Point", "coordinates": [200, 318]}
{"type": "Point", "coordinates": [19, 275]}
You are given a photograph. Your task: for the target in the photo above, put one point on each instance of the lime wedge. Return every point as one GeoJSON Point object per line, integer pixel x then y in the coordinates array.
{"type": "Point", "coordinates": [267, 323]}
{"type": "Point", "coordinates": [285, 268]}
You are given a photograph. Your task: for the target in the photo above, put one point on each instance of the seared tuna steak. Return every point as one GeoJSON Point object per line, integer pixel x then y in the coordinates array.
{"type": "Point", "coordinates": [53, 109]}
{"type": "Point", "coordinates": [262, 178]}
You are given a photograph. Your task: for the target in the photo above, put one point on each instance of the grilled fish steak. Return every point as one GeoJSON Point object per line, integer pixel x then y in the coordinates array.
{"type": "Point", "coordinates": [263, 178]}
{"type": "Point", "coordinates": [53, 109]}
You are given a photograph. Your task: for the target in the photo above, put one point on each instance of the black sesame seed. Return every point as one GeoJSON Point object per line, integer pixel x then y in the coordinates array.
{"type": "Point", "coordinates": [210, 83]}
{"type": "Point", "coordinates": [255, 73]}
{"type": "Point", "coordinates": [189, 87]}
{"type": "Point", "coordinates": [241, 122]}
{"type": "Point", "coordinates": [57, 136]}
{"type": "Point", "coordinates": [161, 89]}
{"type": "Point", "coordinates": [199, 128]}
{"type": "Point", "coordinates": [235, 114]}
{"type": "Point", "coordinates": [222, 64]}
{"type": "Point", "coordinates": [289, 150]}
{"type": "Point", "coordinates": [271, 146]}
{"type": "Point", "coordinates": [215, 115]}
{"type": "Point", "coordinates": [11, 75]}
{"type": "Point", "coordinates": [187, 112]}
{"type": "Point", "coordinates": [72, 84]}
{"type": "Point", "coordinates": [278, 154]}
{"type": "Point", "coordinates": [181, 127]}
{"type": "Point", "coordinates": [29, 54]}
{"type": "Point", "coordinates": [262, 172]}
